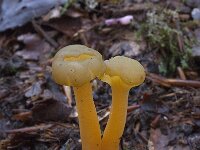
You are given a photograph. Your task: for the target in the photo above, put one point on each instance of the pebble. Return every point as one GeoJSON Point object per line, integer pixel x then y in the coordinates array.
{"type": "Point", "coordinates": [126, 48]}
{"type": "Point", "coordinates": [196, 13]}
{"type": "Point", "coordinates": [196, 51]}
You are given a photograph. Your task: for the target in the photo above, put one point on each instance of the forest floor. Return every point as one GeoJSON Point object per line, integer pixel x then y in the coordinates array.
{"type": "Point", "coordinates": [163, 113]}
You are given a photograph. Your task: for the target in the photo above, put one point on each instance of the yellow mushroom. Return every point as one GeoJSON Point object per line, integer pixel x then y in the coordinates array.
{"type": "Point", "coordinates": [121, 74]}
{"type": "Point", "coordinates": [77, 65]}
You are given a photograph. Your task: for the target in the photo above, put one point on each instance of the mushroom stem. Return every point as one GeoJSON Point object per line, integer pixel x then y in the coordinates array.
{"type": "Point", "coordinates": [88, 122]}
{"type": "Point", "coordinates": [117, 119]}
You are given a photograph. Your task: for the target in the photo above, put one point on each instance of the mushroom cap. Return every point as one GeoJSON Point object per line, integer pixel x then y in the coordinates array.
{"type": "Point", "coordinates": [75, 65]}
{"type": "Point", "coordinates": [130, 71]}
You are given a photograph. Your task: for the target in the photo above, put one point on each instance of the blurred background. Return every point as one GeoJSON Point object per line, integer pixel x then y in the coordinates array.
{"type": "Point", "coordinates": [163, 35]}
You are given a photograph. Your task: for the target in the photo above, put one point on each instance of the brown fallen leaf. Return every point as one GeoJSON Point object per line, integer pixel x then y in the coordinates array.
{"type": "Point", "coordinates": [159, 140]}
{"type": "Point", "coordinates": [34, 47]}
{"type": "Point", "coordinates": [165, 142]}
{"type": "Point", "coordinates": [66, 25]}
{"type": "Point", "coordinates": [23, 116]}
{"type": "Point", "coordinates": [4, 144]}
{"type": "Point", "coordinates": [51, 110]}
{"type": "Point", "coordinates": [28, 55]}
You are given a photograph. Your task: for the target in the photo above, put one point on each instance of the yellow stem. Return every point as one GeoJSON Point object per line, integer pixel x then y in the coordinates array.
{"type": "Point", "coordinates": [88, 121]}
{"type": "Point", "coordinates": [117, 119]}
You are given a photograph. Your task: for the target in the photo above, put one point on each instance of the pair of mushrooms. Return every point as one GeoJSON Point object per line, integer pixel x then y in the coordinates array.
{"type": "Point", "coordinates": [77, 65]}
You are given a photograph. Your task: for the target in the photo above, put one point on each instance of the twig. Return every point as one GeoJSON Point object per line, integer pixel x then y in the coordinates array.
{"type": "Point", "coordinates": [68, 93]}
{"type": "Point", "coordinates": [144, 139]}
{"type": "Point", "coordinates": [132, 9]}
{"type": "Point", "coordinates": [157, 79]}
{"type": "Point", "coordinates": [132, 108]}
{"type": "Point", "coordinates": [186, 83]}
{"type": "Point", "coordinates": [154, 123]}
{"type": "Point", "coordinates": [167, 95]}
{"type": "Point", "coordinates": [30, 129]}
{"type": "Point", "coordinates": [181, 73]}
{"type": "Point", "coordinates": [104, 116]}
{"type": "Point", "coordinates": [23, 116]}
{"type": "Point", "coordinates": [83, 39]}
{"type": "Point", "coordinates": [43, 33]}
{"type": "Point", "coordinates": [129, 109]}
{"type": "Point", "coordinates": [173, 82]}
{"type": "Point", "coordinates": [179, 36]}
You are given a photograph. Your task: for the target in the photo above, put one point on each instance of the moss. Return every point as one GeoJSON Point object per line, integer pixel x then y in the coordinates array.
{"type": "Point", "coordinates": [67, 5]}
{"type": "Point", "coordinates": [164, 32]}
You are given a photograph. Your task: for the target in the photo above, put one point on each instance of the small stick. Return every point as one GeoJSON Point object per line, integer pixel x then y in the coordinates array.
{"type": "Point", "coordinates": [154, 123]}
{"type": "Point", "coordinates": [42, 33]}
{"type": "Point", "coordinates": [132, 9]}
{"type": "Point", "coordinates": [157, 79]}
{"type": "Point", "coordinates": [132, 108]}
{"type": "Point", "coordinates": [83, 38]}
{"type": "Point", "coordinates": [144, 139]}
{"type": "Point", "coordinates": [186, 83]}
{"type": "Point", "coordinates": [173, 82]}
{"type": "Point", "coordinates": [129, 109]}
{"type": "Point", "coordinates": [23, 116]}
{"type": "Point", "coordinates": [30, 129]}
{"type": "Point", "coordinates": [179, 37]}
{"type": "Point", "coordinates": [68, 93]}
{"type": "Point", "coordinates": [167, 95]}
{"type": "Point", "coordinates": [181, 73]}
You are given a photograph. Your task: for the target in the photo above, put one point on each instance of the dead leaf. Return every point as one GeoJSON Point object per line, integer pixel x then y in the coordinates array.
{"type": "Point", "coordinates": [194, 141]}
{"type": "Point", "coordinates": [159, 140]}
{"type": "Point", "coordinates": [35, 47]}
{"type": "Point", "coordinates": [28, 55]}
{"type": "Point", "coordinates": [66, 25]}
{"type": "Point", "coordinates": [17, 13]}
{"type": "Point", "coordinates": [54, 13]}
{"type": "Point", "coordinates": [35, 90]}
{"type": "Point", "coordinates": [51, 110]}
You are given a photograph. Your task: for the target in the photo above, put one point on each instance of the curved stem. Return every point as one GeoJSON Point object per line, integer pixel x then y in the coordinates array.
{"type": "Point", "coordinates": [88, 121]}
{"type": "Point", "coordinates": [117, 119]}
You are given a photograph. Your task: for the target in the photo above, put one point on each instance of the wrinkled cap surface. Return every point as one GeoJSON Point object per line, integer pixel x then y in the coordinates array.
{"type": "Point", "coordinates": [75, 65]}
{"type": "Point", "coordinates": [130, 71]}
